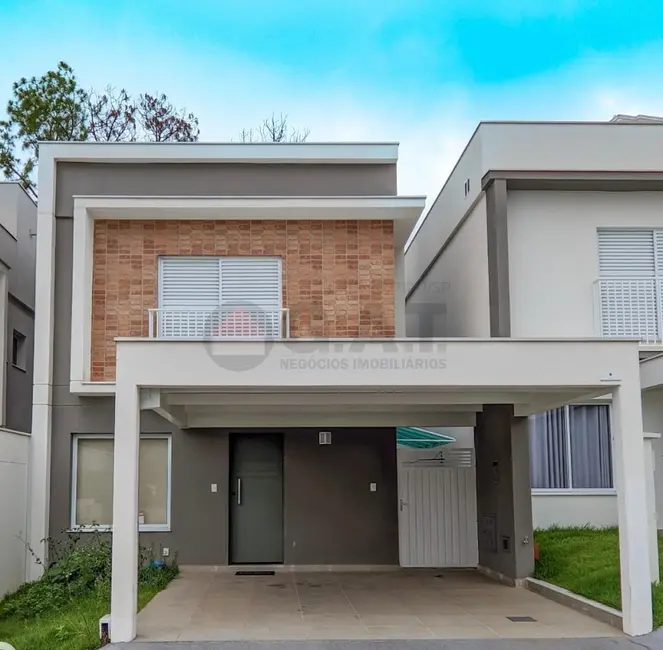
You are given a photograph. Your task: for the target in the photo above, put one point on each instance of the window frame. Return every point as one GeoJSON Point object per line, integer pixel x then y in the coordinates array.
{"type": "Point", "coordinates": [20, 339]}
{"type": "Point", "coordinates": [219, 259]}
{"type": "Point", "coordinates": [143, 528]}
{"type": "Point", "coordinates": [569, 460]}
{"type": "Point", "coordinates": [603, 314]}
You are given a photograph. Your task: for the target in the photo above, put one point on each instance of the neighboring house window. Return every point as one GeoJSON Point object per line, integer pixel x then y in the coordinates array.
{"type": "Point", "coordinates": [630, 282]}
{"type": "Point", "coordinates": [19, 351]}
{"type": "Point", "coordinates": [221, 297]}
{"type": "Point", "coordinates": [92, 482]}
{"type": "Point", "coordinates": [571, 448]}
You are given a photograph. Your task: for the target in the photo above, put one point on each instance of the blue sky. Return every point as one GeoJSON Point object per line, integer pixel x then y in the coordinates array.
{"type": "Point", "coordinates": [421, 72]}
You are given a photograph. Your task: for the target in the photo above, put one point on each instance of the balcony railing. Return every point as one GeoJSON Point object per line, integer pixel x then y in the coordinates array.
{"type": "Point", "coordinates": [222, 323]}
{"type": "Point", "coordinates": [630, 307]}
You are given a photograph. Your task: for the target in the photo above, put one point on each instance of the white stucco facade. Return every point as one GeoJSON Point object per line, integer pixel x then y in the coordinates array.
{"type": "Point", "coordinates": [457, 282]}
{"type": "Point", "coordinates": [549, 188]}
{"type": "Point", "coordinates": [553, 261]}
{"type": "Point", "coordinates": [14, 458]}
{"type": "Point", "coordinates": [553, 254]}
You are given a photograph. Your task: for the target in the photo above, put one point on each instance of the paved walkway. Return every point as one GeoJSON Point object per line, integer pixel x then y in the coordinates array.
{"type": "Point", "coordinates": [203, 605]}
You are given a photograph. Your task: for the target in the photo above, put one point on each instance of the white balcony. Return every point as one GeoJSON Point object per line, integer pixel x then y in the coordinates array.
{"type": "Point", "coordinates": [630, 307]}
{"type": "Point", "coordinates": [218, 324]}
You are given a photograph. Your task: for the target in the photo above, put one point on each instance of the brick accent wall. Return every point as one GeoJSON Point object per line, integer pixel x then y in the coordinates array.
{"type": "Point", "coordinates": [338, 275]}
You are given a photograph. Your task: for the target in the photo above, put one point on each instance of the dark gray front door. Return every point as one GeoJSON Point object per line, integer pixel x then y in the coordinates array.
{"type": "Point", "coordinates": [256, 498]}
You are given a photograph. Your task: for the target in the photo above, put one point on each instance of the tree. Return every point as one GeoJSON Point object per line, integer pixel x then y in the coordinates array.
{"type": "Point", "coordinates": [111, 116]}
{"type": "Point", "coordinates": [54, 107]}
{"type": "Point", "coordinates": [115, 116]}
{"type": "Point", "coordinates": [160, 121]}
{"type": "Point", "coordinates": [274, 129]}
{"type": "Point", "coordinates": [51, 107]}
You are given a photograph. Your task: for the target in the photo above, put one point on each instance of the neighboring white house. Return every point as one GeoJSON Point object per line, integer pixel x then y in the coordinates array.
{"type": "Point", "coordinates": [18, 226]}
{"type": "Point", "coordinates": [554, 230]}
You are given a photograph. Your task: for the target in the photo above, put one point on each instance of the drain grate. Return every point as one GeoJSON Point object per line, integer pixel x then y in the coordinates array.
{"type": "Point", "coordinates": [521, 619]}
{"type": "Point", "coordinates": [255, 573]}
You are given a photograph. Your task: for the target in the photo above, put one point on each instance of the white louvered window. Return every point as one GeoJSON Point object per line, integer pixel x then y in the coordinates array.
{"type": "Point", "coordinates": [219, 297]}
{"type": "Point", "coordinates": [629, 287]}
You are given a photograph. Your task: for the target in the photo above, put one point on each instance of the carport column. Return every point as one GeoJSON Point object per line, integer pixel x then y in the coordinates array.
{"type": "Point", "coordinates": [504, 501]}
{"type": "Point", "coordinates": [650, 465]}
{"type": "Point", "coordinates": [124, 596]}
{"type": "Point", "coordinates": [630, 481]}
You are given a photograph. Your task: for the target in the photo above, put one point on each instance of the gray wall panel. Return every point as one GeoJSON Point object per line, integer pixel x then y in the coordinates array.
{"type": "Point", "coordinates": [503, 491]}
{"type": "Point", "coordinates": [331, 516]}
{"type": "Point", "coordinates": [18, 405]}
{"type": "Point", "coordinates": [22, 277]}
{"type": "Point", "coordinates": [219, 179]}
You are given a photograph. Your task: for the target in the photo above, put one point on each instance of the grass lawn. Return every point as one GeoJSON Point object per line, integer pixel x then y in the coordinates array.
{"type": "Point", "coordinates": [73, 627]}
{"type": "Point", "coordinates": [586, 561]}
{"type": "Point", "coordinates": [61, 611]}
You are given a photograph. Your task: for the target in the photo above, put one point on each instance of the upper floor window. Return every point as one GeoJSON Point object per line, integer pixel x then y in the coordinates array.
{"type": "Point", "coordinates": [630, 252]}
{"type": "Point", "coordinates": [571, 448]}
{"type": "Point", "coordinates": [19, 350]}
{"type": "Point", "coordinates": [629, 296]}
{"type": "Point", "coordinates": [220, 297]}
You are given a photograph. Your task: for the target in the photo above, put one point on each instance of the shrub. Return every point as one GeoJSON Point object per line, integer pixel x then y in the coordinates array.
{"type": "Point", "coordinates": [79, 567]}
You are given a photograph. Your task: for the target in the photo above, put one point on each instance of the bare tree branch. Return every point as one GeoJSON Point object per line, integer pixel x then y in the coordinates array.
{"type": "Point", "coordinates": [160, 121]}
{"type": "Point", "coordinates": [112, 116]}
{"type": "Point", "coordinates": [274, 129]}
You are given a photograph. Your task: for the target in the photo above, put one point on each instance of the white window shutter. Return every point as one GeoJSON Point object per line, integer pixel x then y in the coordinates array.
{"type": "Point", "coordinates": [250, 297]}
{"type": "Point", "coordinates": [224, 297]}
{"type": "Point", "coordinates": [251, 281]}
{"type": "Point", "coordinates": [624, 252]}
{"type": "Point", "coordinates": [658, 252]}
{"type": "Point", "coordinates": [627, 284]}
{"type": "Point", "coordinates": [188, 296]}
{"type": "Point", "coordinates": [189, 283]}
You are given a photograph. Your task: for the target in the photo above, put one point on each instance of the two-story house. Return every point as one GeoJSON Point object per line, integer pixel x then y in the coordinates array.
{"type": "Point", "coordinates": [221, 367]}
{"type": "Point", "coordinates": [18, 230]}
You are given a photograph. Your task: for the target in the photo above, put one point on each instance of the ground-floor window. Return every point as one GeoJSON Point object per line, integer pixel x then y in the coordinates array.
{"type": "Point", "coordinates": [92, 482]}
{"type": "Point", "coordinates": [571, 448]}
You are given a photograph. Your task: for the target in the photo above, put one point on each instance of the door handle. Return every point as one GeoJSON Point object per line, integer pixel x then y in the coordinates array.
{"type": "Point", "coordinates": [239, 491]}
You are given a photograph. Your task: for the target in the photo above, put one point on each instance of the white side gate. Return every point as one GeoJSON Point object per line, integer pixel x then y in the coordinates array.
{"type": "Point", "coordinates": [437, 508]}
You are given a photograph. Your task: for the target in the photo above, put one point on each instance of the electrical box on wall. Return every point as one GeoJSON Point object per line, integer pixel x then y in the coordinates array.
{"type": "Point", "coordinates": [325, 437]}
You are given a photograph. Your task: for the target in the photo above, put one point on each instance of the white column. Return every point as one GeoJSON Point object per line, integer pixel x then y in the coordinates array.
{"type": "Point", "coordinates": [629, 461]}
{"type": "Point", "coordinates": [650, 465]}
{"type": "Point", "coordinates": [40, 440]}
{"type": "Point", "coordinates": [124, 587]}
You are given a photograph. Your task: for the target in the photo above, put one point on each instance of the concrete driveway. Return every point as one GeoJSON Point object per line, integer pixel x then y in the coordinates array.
{"type": "Point", "coordinates": [206, 605]}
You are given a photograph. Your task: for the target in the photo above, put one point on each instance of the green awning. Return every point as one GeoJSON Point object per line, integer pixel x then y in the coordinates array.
{"type": "Point", "coordinates": [421, 438]}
